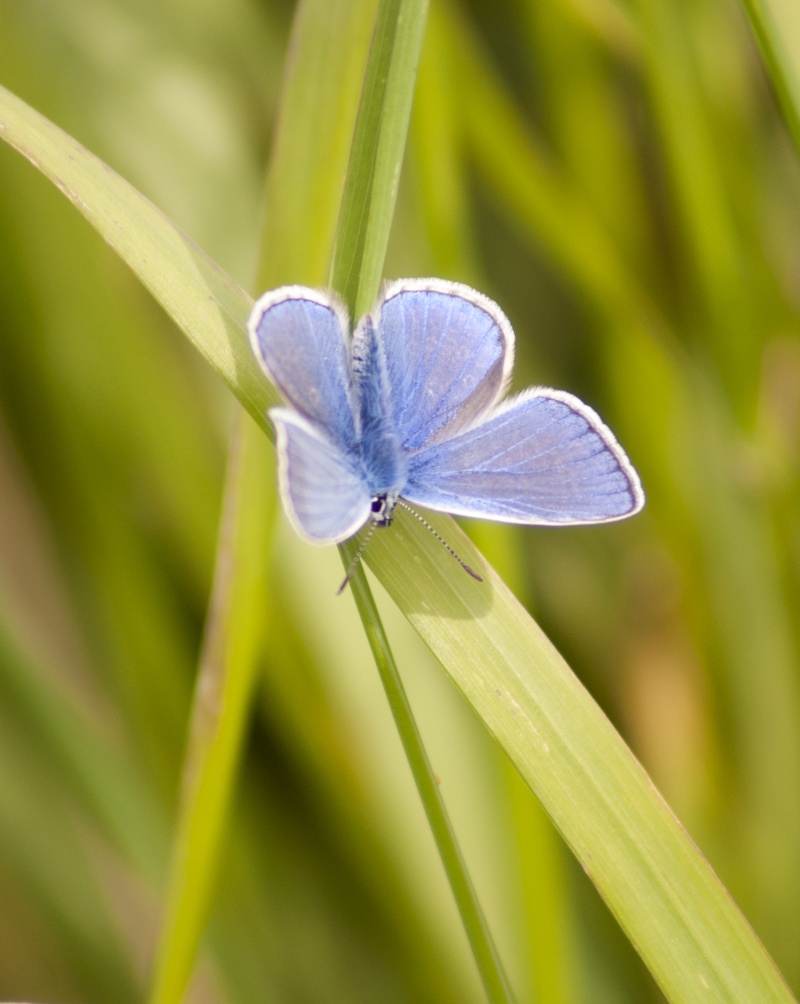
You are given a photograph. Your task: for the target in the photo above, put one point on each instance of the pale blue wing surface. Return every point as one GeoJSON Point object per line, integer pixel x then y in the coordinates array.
{"type": "Point", "coordinates": [448, 353]}
{"type": "Point", "coordinates": [322, 489]}
{"type": "Point", "coordinates": [300, 337]}
{"type": "Point", "coordinates": [542, 458]}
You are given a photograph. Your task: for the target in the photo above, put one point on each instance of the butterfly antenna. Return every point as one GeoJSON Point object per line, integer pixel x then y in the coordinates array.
{"type": "Point", "coordinates": [357, 557]}
{"type": "Point", "coordinates": [440, 538]}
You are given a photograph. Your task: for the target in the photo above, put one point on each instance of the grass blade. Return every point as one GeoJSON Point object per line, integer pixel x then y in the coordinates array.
{"type": "Point", "coordinates": [208, 306]}
{"type": "Point", "coordinates": [783, 69]}
{"type": "Point", "coordinates": [487, 959]}
{"type": "Point", "coordinates": [362, 238]}
{"type": "Point", "coordinates": [222, 703]}
{"type": "Point", "coordinates": [377, 153]}
{"type": "Point", "coordinates": [317, 109]}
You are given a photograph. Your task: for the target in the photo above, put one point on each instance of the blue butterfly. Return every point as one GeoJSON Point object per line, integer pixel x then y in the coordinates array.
{"type": "Point", "coordinates": [411, 409]}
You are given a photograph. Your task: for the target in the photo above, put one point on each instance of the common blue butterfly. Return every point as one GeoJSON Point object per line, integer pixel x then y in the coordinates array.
{"type": "Point", "coordinates": [410, 408]}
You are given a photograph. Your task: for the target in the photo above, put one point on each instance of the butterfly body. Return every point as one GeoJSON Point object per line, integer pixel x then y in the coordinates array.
{"type": "Point", "coordinates": [382, 453]}
{"type": "Point", "coordinates": [410, 408]}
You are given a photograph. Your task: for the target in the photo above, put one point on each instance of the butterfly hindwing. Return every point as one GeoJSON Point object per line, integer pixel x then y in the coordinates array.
{"type": "Point", "coordinates": [323, 492]}
{"type": "Point", "coordinates": [541, 458]}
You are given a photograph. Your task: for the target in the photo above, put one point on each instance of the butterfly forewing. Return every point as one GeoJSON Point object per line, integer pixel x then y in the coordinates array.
{"type": "Point", "coordinates": [448, 357]}
{"type": "Point", "coordinates": [300, 337]}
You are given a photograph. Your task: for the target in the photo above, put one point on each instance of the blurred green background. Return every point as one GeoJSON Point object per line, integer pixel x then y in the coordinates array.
{"type": "Point", "coordinates": [618, 178]}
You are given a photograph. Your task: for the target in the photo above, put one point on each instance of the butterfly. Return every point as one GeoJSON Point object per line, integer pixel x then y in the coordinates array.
{"type": "Point", "coordinates": [410, 410]}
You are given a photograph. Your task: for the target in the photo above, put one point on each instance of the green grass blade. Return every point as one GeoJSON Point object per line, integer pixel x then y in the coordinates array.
{"type": "Point", "coordinates": [316, 114]}
{"type": "Point", "coordinates": [362, 238]}
{"type": "Point", "coordinates": [310, 150]}
{"type": "Point", "coordinates": [222, 702]}
{"type": "Point", "coordinates": [484, 950]}
{"type": "Point", "coordinates": [209, 307]}
{"type": "Point", "coordinates": [377, 153]}
{"type": "Point", "coordinates": [673, 908]}
{"type": "Point", "coordinates": [722, 265]}
{"type": "Point", "coordinates": [781, 52]}
{"type": "Point", "coordinates": [106, 784]}
{"type": "Point", "coordinates": [529, 187]}
{"type": "Point", "coordinates": [438, 141]}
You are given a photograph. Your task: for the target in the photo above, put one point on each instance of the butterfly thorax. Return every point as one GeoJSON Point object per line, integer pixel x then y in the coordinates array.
{"type": "Point", "coordinates": [384, 461]}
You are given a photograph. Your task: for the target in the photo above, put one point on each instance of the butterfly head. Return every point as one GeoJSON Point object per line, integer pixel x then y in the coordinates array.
{"type": "Point", "coordinates": [382, 508]}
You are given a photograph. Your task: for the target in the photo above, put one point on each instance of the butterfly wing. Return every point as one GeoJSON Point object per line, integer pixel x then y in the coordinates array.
{"type": "Point", "coordinates": [448, 352]}
{"type": "Point", "coordinates": [322, 490]}
{"type": "Point", "coordinates": [299, 335]}
{"type": "Point", "coordinates": [541, 458]}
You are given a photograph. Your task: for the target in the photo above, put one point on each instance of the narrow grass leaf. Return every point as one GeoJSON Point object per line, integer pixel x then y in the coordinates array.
{"type": "Point", "coordinates": [207, 305]}
{"type": "Point", "coordinates": [775, 26]}
{"type": "Point", "coordinates": [222, 700]}
{"type": "Point", "coordinates": [317, 108]}
{"type": "Point", "coordinates": [376, 156]}
{"type": "Point", "coordinates": [362, 237]}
